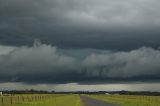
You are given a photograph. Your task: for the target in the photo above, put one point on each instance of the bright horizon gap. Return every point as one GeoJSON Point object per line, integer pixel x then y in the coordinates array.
{"type": "Point", "coordinates": [76, 87]}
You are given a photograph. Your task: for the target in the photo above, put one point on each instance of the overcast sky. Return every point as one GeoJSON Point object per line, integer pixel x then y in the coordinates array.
{"type": "Point", "coordinates": [79, 41]}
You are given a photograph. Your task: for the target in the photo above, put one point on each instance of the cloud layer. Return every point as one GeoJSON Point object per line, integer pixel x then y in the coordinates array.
{"type": "Point", "coordinates": [94, 41]}
{"type": "Point", "coordinates": [97, 24]}
{"type": "Point", "coordinates": [44, 63]}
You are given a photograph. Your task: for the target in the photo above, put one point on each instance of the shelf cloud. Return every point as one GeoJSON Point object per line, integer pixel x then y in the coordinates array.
{"type": "Point", "coordinates": [79, 43]}
{"type": "Point", "coordinates": [42, 63]}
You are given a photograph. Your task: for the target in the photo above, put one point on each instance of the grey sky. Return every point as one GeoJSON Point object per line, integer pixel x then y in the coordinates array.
{"type": "Point", "coordinates": [97, 24]}
{"type": "Point", "coordinates": [83, 41]}
{"type": "Point", "coordinates": [54, 65]}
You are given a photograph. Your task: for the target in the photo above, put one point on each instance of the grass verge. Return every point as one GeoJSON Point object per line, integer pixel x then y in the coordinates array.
{"type": "Point", "coordinates": [128, 100]}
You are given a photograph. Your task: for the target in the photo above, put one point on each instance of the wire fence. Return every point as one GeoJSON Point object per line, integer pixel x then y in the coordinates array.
{"type": "Point", "coordinates": [17, 99]}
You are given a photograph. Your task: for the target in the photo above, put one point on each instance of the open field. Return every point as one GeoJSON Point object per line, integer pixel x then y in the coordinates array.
{"type": "Point", "coordinates": [75, 100]}
{"type": "Point", "coordinates": [128, 100]}
{"type": "Point", "coordinates": [41, 100]}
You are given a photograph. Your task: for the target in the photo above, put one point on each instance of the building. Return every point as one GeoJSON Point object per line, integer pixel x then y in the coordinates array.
{"type": "Point", "coordinates": [1, 94]}
{"type": "Point", "coordinates": [107, 93]}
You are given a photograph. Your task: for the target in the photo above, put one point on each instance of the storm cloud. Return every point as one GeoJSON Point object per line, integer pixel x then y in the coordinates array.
{"type": "Point", "coordinates": [83, 41]}
{"type": "Point", "coordinates": [42, 63]}
{"type": "Point", "coordinates": [96, 24]}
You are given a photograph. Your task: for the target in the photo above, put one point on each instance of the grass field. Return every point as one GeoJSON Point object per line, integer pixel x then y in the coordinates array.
{"type": "Point", "coordinates": [54, 100]}
{"type": "Point", "coordinates": [74, 100]}
{"type": "Point", "coordinates": [128, 100]}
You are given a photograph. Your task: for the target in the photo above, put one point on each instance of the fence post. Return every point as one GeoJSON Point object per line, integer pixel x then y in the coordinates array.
{"type": "Point", "coordinates": [32, 98]}
{"type": "Point", "coordinates": [27, 99]}
{"type": "Point", "coordinates": [23, 98]}
{"type": "Point", "coordinates": [18, 100]}
{"type": "Point", "coordinates": [55, 102]}
{"type": "Point", "coordinates": [11, 99]}
{"type": "Point", "coordinates": [2, 100]}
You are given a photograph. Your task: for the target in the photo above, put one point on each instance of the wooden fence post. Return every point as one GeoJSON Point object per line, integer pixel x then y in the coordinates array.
{"type": "Point", "coordinates": [23, 98]}
{"type": "Point", "coordinates": [32, 98]}
{"type": "Point", "coordinates": [11, 99]}
{"type": "Point", "coordinates": [2, 100]}
{"type": "Point", "coordinates": [18, 100]}
{"type": "Point", "coordinates": [27, 99]}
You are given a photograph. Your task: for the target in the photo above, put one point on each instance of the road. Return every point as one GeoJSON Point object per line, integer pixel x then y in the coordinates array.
{"type": "Point", "coordinates": [93, 102]}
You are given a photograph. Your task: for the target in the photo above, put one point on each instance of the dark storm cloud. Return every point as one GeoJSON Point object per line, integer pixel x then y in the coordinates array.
{"type": "Point", "coordinates": [43, 63]}
{"type": "Point", "coordinates": [111, 25]}
{"type": "Point", "coordinates": [99, 24]}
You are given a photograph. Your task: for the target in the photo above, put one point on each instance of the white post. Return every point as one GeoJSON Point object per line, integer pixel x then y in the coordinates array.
{"type": "Point", "coordinates": [1, 94]}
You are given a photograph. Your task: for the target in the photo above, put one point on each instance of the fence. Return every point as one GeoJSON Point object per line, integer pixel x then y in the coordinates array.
{"type": "Point", "coordinates": [17, 99]}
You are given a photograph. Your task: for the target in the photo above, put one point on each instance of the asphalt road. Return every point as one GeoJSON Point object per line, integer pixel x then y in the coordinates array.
{"type": "Point", "coordinates": [93, 102]}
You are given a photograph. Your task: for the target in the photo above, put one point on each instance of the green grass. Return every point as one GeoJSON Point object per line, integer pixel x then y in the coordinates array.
{"type": "Point", "coordinates": [65, 100]}
{"type": "Point", "coordinates": [128, 100]}
{"type": "Point", "coordinates": [74, 100]}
